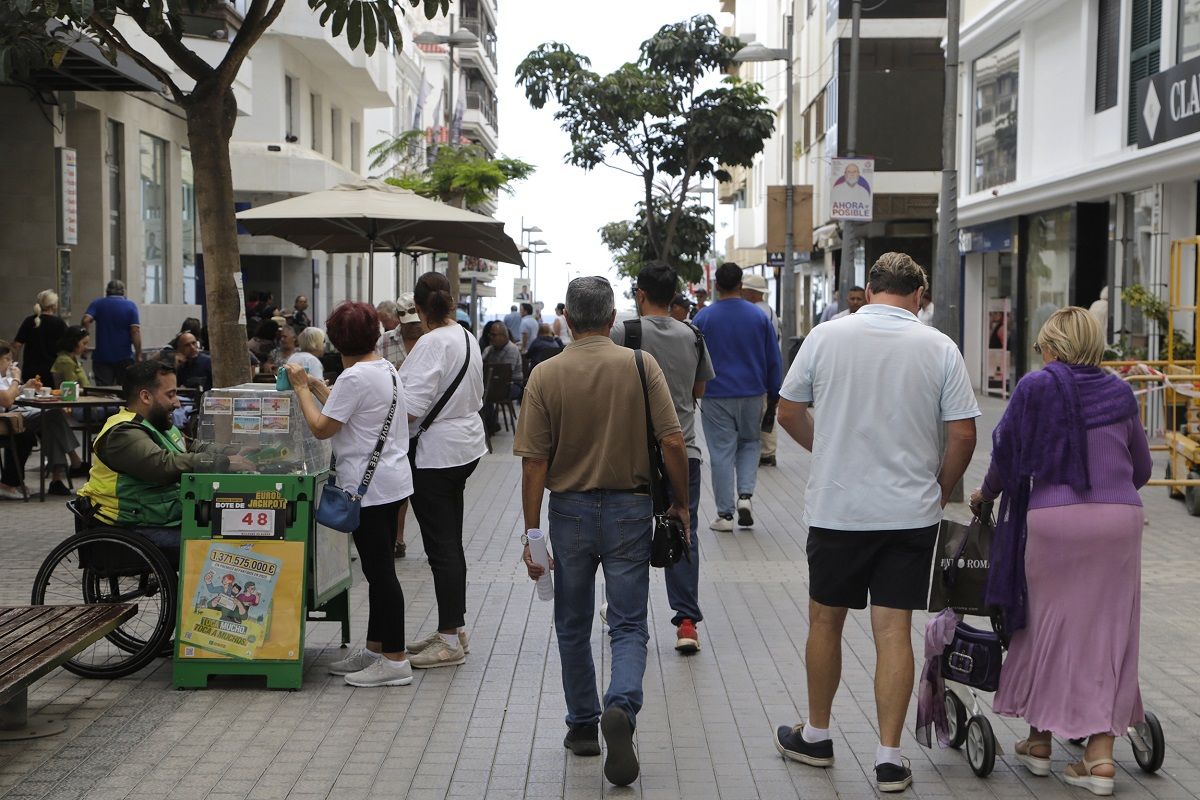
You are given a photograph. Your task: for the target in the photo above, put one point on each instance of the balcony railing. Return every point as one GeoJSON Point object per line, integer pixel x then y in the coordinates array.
{"type": "Point", "coordinates": [487, 37]}
{"type": "Point", "coordinates": [485, 104]}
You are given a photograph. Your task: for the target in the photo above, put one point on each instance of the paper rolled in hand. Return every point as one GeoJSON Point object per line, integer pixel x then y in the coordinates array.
{"type": "Point", "coordinates": [539, 554]}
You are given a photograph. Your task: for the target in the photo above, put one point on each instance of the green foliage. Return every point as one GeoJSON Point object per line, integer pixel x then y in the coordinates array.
{"type": "Point", "coordinates": [650, 117]}
{"type": "Point", "coordinates": [465, 173]}
{"type": "Point", "coordinates": [629, 243]}
{"type": "Point", "coordinates": [1137, 296]}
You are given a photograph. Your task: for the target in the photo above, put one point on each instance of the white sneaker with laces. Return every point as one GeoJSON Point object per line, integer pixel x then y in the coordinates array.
{"type": "Point", "coordinates": [439, 654]}
{"type": "Point", "coordinates": [355, 662]}
{"type": "Point", "coordinates": [464, 641]}
{"type": "Point", "coordinates": [382, 672]}
{"type": "Point", "coordinates": [721, 524]}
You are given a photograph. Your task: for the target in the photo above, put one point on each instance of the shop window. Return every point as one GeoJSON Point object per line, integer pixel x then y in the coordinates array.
{"type": "Point", "coordinates": [996, 82]}
{"type": "Point", "coordinates": [1108, 29]}
{"type": "Point", "coordinates": [1189, 30]}
{"type": "Point", "coordinates": [187, 214]}
{"type": "Point", "coordinates": [314, 102]}
{"type": "Point", "coordinates": [1047, 273]}
{"type": "Point", "coordinates": [291, 109]}
{"type": "Point", "coordinates": [1145, 45]}
{"type": "Point", "coordinates": [153, 158]}
{"type": "Point", "coordinates": [335, 134]}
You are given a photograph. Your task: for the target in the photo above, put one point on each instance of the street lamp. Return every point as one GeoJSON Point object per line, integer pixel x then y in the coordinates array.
{"type": "Point", "coordinates": [700, 191]}
{"type": "Point", "coordinates": [754, 52]}
{"type": "Point", "coordinates": [536, 248]}
{"type": "Point", "coordinates": [462, 37]}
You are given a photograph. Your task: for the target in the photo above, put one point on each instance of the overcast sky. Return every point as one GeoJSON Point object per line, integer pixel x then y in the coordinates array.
{"type": "Point", "coordinates": [568, 204]}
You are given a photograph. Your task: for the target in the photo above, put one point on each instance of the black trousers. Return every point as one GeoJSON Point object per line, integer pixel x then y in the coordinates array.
{"type": "Point", "coordinates": [437, 502]}
{"type": "Point", "coordinates": [373, 539]}
{"type": "Point", "coordinates": [13, 473]}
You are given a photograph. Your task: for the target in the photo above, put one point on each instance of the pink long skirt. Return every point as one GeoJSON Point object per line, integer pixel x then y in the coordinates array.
{"type": "Point", "coordinates": [1074, 669]}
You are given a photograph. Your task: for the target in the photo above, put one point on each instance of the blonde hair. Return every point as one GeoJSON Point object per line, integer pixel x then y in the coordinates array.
{"type": "Point", "coordinates": [897, 273]}
{"type": "Point", "coordinates": [45, 299]}
{"type": "Point", "coordinates": [1074, 336]}
{"type": "Point", "coordinates": [311, 339]}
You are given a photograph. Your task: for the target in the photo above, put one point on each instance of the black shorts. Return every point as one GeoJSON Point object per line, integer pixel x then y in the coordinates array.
{"type": "Point", "coordinates": [891, 565]}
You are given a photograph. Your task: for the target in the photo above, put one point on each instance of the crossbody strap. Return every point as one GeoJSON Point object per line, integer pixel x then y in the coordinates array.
{"type": "Point", "coordinates": [445, 398]}
{"type": "Point", "coordinates": [657, 494]}
{"type": "Point", "coordinates": [383, 434]}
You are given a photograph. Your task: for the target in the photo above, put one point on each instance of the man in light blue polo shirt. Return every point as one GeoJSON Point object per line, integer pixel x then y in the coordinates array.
{"type": "Point", "coordinates": [891, 431]}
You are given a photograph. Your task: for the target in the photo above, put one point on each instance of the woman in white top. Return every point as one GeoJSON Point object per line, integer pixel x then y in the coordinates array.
{"type": "Point", "coordinates": [356, 409]}
{"type": "Point", "coordinates": [310, 346]}
{"type": "Point", "coordinates": [446, 454]}
{"type": "Point", "coordinates": [49, 425]}
{"type": "Point", "coordinates": [560, 327]}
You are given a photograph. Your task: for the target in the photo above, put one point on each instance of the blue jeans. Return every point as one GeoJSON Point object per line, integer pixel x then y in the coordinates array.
{"type": "Point", "coordinates": [609, 529]}
{"type": "Point", "coordinates": [732, 427]}
{"type": "Point", "coordinates": [683, 578]}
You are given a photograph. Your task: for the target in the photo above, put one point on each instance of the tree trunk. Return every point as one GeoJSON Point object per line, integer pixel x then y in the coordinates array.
{"type": "Point", "coordinates": [452, 271]}
{"type": "Point", "coordinates": [211, 115]}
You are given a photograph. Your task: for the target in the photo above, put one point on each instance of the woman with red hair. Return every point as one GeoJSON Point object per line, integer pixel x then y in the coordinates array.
{"type": "Point", "coordinates": [366, 402]}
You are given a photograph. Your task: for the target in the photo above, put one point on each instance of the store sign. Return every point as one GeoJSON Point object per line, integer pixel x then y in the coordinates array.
{"type": "Point", "coordinates": [255, 515]}
{"type": "Point", "coordinates": [1169, 104]}
{"type": "Point", "coordinates": [851, 191]}
{"type": "Point", "coordinates": [68, 196]}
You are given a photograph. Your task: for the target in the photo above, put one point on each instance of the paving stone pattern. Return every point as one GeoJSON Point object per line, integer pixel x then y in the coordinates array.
{"type": "Point", "coordinates": [492, 728]}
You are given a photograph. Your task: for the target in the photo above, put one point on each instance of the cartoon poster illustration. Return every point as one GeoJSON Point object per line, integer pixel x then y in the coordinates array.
{"type": "Point", "coordinates": [241, 601]}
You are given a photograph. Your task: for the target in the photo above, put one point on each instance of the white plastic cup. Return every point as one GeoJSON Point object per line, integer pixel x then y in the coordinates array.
{"type": "Point", "coordinates": [541, 556]}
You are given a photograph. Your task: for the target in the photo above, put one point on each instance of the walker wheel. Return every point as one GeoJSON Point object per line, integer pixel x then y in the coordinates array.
{"type": "Point", "coordinates": [981, 746]}
{"type": "Point", "coordinates": [1149, 746]}
{"type": "Point", "coordinates": [956, 718]}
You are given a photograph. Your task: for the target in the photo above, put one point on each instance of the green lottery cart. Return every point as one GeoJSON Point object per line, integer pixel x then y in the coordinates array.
{"type": "Point", "coordinates": [255, 566]}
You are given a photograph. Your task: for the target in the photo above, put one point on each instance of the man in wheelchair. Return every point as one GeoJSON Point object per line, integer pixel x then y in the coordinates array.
{"type": "Point", "coordinates": [138, 459]}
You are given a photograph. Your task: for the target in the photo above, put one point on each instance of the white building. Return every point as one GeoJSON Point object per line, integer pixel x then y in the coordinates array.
{"type": "Point", "coordinates": [1074, 175]}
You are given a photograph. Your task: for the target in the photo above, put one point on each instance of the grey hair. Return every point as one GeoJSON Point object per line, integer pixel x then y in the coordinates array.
{"type": "Point", "coordinates": [311, 339]}
{"type": "Point", "coordinates": [115, 287]}
{"type": "Point", "coordinates": [388, 307]}
{"type": "Point", "coordinates": [590, 304]}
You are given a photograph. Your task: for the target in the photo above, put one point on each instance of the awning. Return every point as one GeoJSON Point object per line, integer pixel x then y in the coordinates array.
{"type": "Point", "coordinates": [85, 69]}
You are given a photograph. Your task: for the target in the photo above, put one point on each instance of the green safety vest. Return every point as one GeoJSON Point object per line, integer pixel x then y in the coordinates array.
{"type": "Point", "coordinates": [125, 500]}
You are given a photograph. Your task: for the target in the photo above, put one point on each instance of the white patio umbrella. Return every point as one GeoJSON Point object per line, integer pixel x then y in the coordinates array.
{"type": "Point", "coordinates": [370, 215]}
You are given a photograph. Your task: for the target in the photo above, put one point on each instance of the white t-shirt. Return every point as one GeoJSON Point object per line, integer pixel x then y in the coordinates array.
{"type": "Point", "coordinates": [312, 365]}
{"type": "Point", "coordinates": [529, 332]}
{"type": "Point", "coordinates": [456, 436]}
{"type": "Point", "coordinates": [360, 400]}
{"type": "Point", "coordinates": [882, 385]}
{"type": "Point", "coordinates": [564, 330]}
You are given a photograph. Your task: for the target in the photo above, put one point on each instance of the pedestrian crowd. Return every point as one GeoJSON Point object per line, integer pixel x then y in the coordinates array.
{"type": "Point", "coordinates": [608, 414]}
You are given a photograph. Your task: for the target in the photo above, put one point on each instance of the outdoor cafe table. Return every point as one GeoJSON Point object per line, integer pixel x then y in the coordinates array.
{"type": "Point", "coordinates": [91, 422]}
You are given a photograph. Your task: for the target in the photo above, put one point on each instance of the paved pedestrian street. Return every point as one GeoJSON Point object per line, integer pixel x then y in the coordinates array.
{"type": "Point", "coordinates": [493, 727]}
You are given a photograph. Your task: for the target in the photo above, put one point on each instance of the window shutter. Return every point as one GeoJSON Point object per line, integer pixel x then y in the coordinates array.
{"type": "Point", "coordinates": [1108, 28]}
{"type": "Point", "coordinates": [1145, 44]}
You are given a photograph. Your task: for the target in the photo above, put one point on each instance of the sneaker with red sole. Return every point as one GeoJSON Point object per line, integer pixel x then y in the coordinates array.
{"type": "Point", "coordinates": [687, 640]}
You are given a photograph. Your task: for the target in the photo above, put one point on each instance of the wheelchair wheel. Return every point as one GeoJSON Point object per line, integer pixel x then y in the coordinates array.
{"type": "Point", "coordinates": [1148, 744]}
{"type": "Point", "coordinates": [956, 719]}
{"type": "Point", "coordinates": [112, 566]}
{"type": "Point", "coordinates": [981, 746]}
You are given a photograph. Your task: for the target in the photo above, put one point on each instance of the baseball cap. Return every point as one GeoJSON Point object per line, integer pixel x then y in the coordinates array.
{"type": "Point", "coordinates": [406, 307]}
{"type": "Point", "coordinates": [680, 300]}
{"type": "Point", "coordinates": [754, 282]}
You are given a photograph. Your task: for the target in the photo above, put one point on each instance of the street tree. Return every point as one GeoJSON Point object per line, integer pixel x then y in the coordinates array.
{"type": "Point", "coordinates": [465, 176]}
{"type": "Point", "coordinates": [653, 117]}
{"type": "Point", "coordinates": [37, 33]}
{"type": "Point", "coordinates": [630, 245]}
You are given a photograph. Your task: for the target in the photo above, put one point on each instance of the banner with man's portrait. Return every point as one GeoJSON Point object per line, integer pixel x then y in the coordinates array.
{"type": "Point", "coordinates": [851, 193]}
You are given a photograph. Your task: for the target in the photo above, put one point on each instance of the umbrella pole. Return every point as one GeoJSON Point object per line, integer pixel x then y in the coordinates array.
{"type": "Point", "coordinates": [396, 254]}
{"type": "Point", "coordinates": [371, 270]}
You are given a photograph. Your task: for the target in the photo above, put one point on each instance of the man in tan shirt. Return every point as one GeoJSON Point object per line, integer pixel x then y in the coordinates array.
{"type": "Point", "coordinates": [582, 433]}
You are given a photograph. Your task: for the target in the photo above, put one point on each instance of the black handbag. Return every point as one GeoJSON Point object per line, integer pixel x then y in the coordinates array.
{"type": "Point", "coordinates": [961, 562]}
{"type": "Point", "coordinates": [668, 541]}
{"type": "Point", "coordinates": [441, 403]}
{"type": "Point", "coordinates": [339, 508]}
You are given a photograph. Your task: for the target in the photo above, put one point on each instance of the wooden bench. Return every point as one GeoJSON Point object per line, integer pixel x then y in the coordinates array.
{"type": "Point", "coordinates": [35, 640]}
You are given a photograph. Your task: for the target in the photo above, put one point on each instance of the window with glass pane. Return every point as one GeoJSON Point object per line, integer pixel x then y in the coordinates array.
{"type": "Point", "coordinates": [315, 103]}
{"type": "Point", "coordinates": [187, 213]}
{"type": "Point", "coordinates": [995, 115]}
{"type": "Point", "coordinates": [1047, 273]}
{"type": "Point", "coordinates": [116, 194]}
{"type": "Point", "coordinates": [1189, 29]}
{"type": "Point", "coordinates": [153, 158]}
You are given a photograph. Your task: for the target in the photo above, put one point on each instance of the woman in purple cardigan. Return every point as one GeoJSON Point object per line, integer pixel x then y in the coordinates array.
{"type": "Point", "coordinates": [1068, 458]}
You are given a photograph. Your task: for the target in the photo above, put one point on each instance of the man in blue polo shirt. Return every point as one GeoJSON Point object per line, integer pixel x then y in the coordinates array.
{"type": "Point", "coordinates": [118, 334]}
{"type": "Point", "coordinates": [745, 356]}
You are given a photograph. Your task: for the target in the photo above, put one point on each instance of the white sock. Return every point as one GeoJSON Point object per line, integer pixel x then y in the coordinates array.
{"type": "Point", "coordinates": [393, 663]}
{"type": "Point", "coordinates": [812, 735]}
{"type": "Point", "coordinates": [887, 755]}
{"type": "Point", "coordinates": [451, 639]}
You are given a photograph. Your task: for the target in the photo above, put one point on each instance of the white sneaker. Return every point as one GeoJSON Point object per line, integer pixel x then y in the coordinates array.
{"type": "Point", "coordinates": [439, 654]}
{"type": "Point", "coordinates": [745, 517]}
{"type": "Point", "coordinates": [382, 672]}
{"type": "Point", "coordinates": [9, 493]}
{"type": "Point", "coordinates": [722, 524]}
{"type": "Point", "coordinates": [356, 662]}
{"type": "Point", "coordinates": [464, 641]}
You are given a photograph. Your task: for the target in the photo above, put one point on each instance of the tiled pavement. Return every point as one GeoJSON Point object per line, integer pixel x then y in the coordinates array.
{"type": "Point", "coordinates": [493, 727]}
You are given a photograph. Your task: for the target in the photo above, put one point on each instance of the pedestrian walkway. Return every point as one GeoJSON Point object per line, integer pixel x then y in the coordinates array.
{"type": "Point", "coordinates": [493, 728]}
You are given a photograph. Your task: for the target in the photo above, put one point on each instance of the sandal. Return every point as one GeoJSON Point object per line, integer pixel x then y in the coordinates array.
{"type": "Point", "coordinates": [1038, 765]}
{"type": "Point", "coordinates": [1096, 784]}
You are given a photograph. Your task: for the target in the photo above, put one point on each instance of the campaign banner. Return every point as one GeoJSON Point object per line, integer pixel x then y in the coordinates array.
{"type": "Point", "coordinates": [851, 192]}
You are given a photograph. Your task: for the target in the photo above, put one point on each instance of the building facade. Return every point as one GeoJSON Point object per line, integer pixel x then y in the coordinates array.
{"type": "Point", "coordinates": [1074, 175]}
